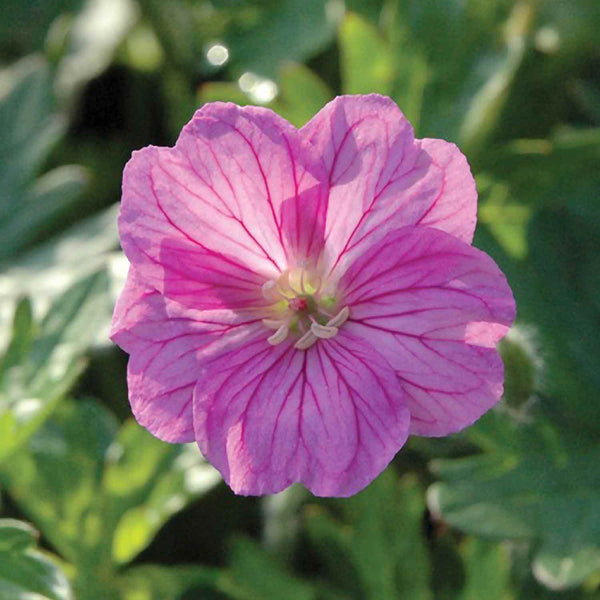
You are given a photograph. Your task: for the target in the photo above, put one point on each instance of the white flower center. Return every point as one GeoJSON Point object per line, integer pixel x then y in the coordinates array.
{"type": "Point", "coordinates": [302, 306]}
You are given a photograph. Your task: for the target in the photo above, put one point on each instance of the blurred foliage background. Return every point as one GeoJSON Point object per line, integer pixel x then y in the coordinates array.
{"type": "Point", "coordinates": [93, 507]}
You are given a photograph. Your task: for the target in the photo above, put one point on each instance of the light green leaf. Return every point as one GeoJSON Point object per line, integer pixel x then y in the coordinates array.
{"type": "Point", "coordinates": [376, 550]}
{"type": "Point", "coordinates": [93, 38]}
{"type": "Point", "coordinates": [486, 106]}
{"type": "Point", "coordinates": [57, 479]}
{"type": "Point", "coordinates": [154, 582]}
{"type": "Point", "coordinates": [28, 128]}
{"type": "Point", "coordinates": [41, 363]}
{"type": "Point", "coordinates": [100, 494]}
{"type": "Point", "coordinates": [26, 573]}
{"type": "Point", "coordinates": [303, 94]}
{"type": "Point", "coordinates": [48, 270]}
{"type": "Point", "coordinates": [147, 482]}
{"type": "Point", "coordinates": [44, 206]}
{"type": "Point", "coordinates": [367, 63]}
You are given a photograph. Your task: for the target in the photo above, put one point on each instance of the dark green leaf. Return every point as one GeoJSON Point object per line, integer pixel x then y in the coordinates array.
{"type": "Point", "coordinates": [376, 550]}
{"type": "Point", "coordinates": [257, 576]}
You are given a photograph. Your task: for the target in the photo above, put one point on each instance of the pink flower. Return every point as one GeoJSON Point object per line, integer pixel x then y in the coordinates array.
{"type": "Point", "coordinates": [300, 301]}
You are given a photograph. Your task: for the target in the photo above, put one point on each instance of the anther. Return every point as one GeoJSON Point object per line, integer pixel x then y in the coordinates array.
{"type": "Point", "coordinates": [324, 332]}
{"type": "Point", "coordinates": [279, 336]}
{"type": "Point", "coordinates": [272, 323]}
{"type": "Point", "coordinates": [271, 291]}
{"type": "Point", "coordinates": [340, 318]}
{"type": "Point", "coordinates": [306, 341]}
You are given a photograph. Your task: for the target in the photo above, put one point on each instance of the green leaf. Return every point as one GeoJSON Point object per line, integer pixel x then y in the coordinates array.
{"type": "Point", "coordinates": [48, 270]}
{"type": "Point", "coordinates": [288, 30]}
{"type": "Point", "coordinates": [154, 582]}
{"type": "Point", "coordinates": [99, 493]}
{"type": "Point", "coordinates": [366, 59]}
{"type": "Point", "coordinates": [29, 128]}
{"type": "Point", "coordinates": [91, 43]}
{"type": "Point", "coordinates": [24, 26]}
{"type": "Point", "coordinates": [303, 94]}
{"type": "Point", "coordinates": [38, 369]}
{"type": "Point", "coordinates": [376, 549]}
{"type": "Point", "coordinates": [24, 571]}
{"type": "Point", "coordinates": [22, 335]}
{"type": "Point", "coordinates": [559, 569]}
{"type": "Point", "coordinates": [453, 76]}
{"type": "Point", "coordinates": [486, 106]}
{"type": "Point", "coordinates": [559, 172]}
{"type": "Point", "coordinates": [539, 491]}
{"type": "Point", "coordinates": [45, 206]}
{"type": "Point", "coordinates": [257, 576]}
{"type": "Point", "coordinates": [147, 482]}
{"type": "Point", "coordinates": [487, 571]}
{"type": "Point", "coordinates": [57, 479]}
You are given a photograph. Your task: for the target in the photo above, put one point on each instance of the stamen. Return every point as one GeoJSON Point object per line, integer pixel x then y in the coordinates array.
{"type": "Point", "coordinates": [279, 336]}
{"type": "Point", "coordinates": [271, 291]}
{"type": "Point", "coordinates": [306, 341]}
{"type": "Point", "coordinates": [324, 331]}
{"type": "Point", "coordinates": [272, 323]}
{"type": "Point", "coordinates": [340, 318]}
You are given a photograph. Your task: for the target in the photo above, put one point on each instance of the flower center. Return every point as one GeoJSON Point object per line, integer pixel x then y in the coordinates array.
{"type": "Point", "coordinates": [302, 306]}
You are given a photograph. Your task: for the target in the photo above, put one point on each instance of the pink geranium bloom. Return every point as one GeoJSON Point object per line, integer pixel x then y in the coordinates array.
{"type": "Point", "coordinates": [300, 301]}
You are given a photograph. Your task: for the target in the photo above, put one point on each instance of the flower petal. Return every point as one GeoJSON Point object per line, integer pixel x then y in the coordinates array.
{"type": "Point", "coordinates": [381, 178]}
{"type": "Point", "coordinates": [331, 417]}
{"type": "Point", "coordinates": [435, 307]}
{"type": "Point", "coordinates": [236, 201]}
{"type": "Point", "coordinates": [167, 343]}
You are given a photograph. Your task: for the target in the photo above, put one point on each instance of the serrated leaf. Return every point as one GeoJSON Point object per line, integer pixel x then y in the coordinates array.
{"type": "Point", "coordinates": [549, 496]}
{"type": "Point", "coordinates": [24, 571]}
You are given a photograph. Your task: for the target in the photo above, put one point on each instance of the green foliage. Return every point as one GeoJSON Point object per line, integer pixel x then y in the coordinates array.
{"type": "Point", "coordinates": [43, 360]}
{"type": "Point", "coordinates": [25, 572]}
{"type": "Point", "coordinates": [516, 499]}
{"type": "Point", "coordinates": [100, 494]}
{"type": "Point", "coordinates": [28, 130]}
{"type": "Point", "coordinates": [532, 486]}
{"type": "Point", "coordinates": [375, 548]}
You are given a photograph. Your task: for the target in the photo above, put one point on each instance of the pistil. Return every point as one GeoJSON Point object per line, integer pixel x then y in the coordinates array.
{"type": "Point", "coordinates": [301, 307]}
